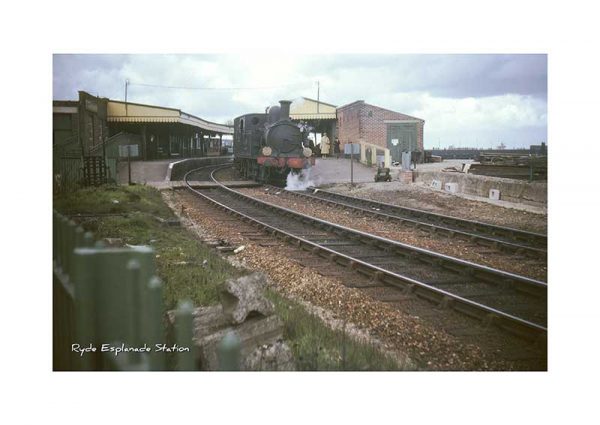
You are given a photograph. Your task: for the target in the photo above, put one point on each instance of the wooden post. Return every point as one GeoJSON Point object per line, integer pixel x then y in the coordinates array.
{"type": "Point", "coordinates": [55, 236]}
{"type": "Point", "coordinates": [129, 164]}
{"type": "Point", "coordinates": [64, 244]}
{"type": "Point", "coordinates": [184, 333]}
{"type": "Point", "coordinates": [134, 294]}
{"type": "Point", "coordinates": [352, 164]}
{"type": "Point", "coordinates": [144, 143]}
{"type": "Point", "coordinates": [229, 352]}
{"type": "Point", "coordinates": [85, 305]}
{"type": "Point", "coordinates": [153, 322]}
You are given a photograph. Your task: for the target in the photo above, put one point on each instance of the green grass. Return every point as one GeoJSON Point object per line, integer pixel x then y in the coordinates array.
{"type": "Point", "coordinates": [114, 199]}
{"type": "Point", "coordinates": [188, 268]}
{"type": "Point", "coordinates": [191, 270]}
{"type": "Point", "coordinates": [317, 347]}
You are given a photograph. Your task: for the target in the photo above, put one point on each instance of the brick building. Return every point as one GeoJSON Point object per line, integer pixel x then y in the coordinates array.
{"type": "Point", "coordinates": [361, 122]}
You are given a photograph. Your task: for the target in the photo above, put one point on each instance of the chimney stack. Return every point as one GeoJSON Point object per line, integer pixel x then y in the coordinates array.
{"type": "Point", "coordinates": [285, 109]}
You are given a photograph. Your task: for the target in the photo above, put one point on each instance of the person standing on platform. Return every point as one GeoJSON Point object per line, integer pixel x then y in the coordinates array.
{"type": "Point", "coordinates": [311, 144]}
{"type": "Point", "coordinates": [325, 146]}
{"type": "Point", "coordinates": [336, 148]}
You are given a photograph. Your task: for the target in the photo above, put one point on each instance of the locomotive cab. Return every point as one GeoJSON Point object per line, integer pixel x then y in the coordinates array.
{"type": "Point", "coordinates": [267, 147]}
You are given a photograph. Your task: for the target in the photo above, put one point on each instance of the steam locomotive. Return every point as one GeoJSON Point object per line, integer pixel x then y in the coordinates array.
{"type": "Point", "coordinates": [267, 147]}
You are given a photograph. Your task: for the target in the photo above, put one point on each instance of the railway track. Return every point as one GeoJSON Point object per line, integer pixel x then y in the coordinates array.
{"type": "Point", "coordinates": [204, 173]}
{"type": "Point", "coordinates": [511, 302]}
{"type": "Point", "coordinates": [504, 238]}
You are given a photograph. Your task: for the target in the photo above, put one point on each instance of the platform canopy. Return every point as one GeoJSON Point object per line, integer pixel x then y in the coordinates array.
{"type": "Point", "coordinates": [304, 108]}
{"type": "Point", "coordinates": [137, 113]}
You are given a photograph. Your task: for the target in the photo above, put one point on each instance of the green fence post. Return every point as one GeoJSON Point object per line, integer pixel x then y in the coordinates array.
{"type": "Point", "coordinates": [69, 245]}
{"type": "Point", "coordinates": [229, 352]}
{"type": "Point", "coordinates": [88, 240]}
{"type": "Point", "coordinates": [77, 242]}
{"type": "Point", "coordinates": [153, 322]}
{"type": "Point", "coordinates": [85, 311]}
{"type": "Point", "coordinates": [54, 234]}
{"type": "Point", "coordinates": [133, 288]}
{"type": "Point", "coordinates": [184, 333]}
{"type": "Point", "coordinates": [62, 226]}
{"type": "Point", "coordinates": [79, 232]}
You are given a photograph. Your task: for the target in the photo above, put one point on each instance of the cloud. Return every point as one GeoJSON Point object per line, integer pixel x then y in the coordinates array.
{"type": "Point", "coordinates": [515, 120]}
{"type": "Point", "coordinates": [459, 96]}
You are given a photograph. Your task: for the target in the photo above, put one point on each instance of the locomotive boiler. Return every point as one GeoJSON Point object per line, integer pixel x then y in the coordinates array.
{"type": "Point", "coordinates": [267, 147]}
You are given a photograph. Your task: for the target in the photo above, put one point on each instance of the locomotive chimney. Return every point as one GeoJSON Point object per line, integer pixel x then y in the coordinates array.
{"type": "Point", "coordinates": [285, 109]}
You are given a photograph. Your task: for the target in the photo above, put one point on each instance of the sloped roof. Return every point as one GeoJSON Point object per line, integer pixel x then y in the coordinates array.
{"type": "Point", "coordinates": [305, 108]}
{"type": "Point", "coordinates": [135, 112]}
{"type": "Point", "coordinates": [400, 116]}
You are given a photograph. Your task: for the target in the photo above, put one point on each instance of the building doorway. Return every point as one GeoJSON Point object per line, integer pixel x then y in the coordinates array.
{"type": "Point", "coordinates": [401, 137]}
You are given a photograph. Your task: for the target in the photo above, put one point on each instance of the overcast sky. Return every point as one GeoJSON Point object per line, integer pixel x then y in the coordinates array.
{"type": "Point", "coordinates": [465, 100]}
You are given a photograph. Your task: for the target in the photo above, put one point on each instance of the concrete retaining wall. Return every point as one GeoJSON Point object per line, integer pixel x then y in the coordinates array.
{"type": "Point", "coordinates": [178, 169]}
{"type": "Point", "coordinates": [534, 193]}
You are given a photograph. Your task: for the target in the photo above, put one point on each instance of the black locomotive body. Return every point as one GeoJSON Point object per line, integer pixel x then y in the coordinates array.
{"type": "Point", "coordinates": [267, 147]}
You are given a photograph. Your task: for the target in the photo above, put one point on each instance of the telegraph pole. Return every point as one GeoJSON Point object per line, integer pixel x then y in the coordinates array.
{"type": "Point", "coordinates": [126, 84]}
{"type": "Point", "coordinates": [318, 93]}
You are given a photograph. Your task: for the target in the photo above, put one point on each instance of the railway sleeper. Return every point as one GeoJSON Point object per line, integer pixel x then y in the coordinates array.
{"type": "Point", "coordinates": [446, 303]}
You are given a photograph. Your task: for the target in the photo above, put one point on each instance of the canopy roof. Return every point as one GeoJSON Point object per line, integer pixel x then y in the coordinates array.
{"type": "Point", "coordinates": [137, 113]}
{"type": "Point", "coordinates": [304, 108]}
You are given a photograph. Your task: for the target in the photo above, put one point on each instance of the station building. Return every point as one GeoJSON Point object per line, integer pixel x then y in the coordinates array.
{"type": "Point", "coordinates": [92, 134]}
{"type": "Point", "coordinates": [380, 128]}
{"type": "Point", "coordinates": [380, 132]}
{"type": "Point", "coordinates": [162, 133]}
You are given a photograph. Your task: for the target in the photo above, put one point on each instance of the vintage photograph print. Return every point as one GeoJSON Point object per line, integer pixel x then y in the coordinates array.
{"type": "Point", "coordinates": [277, 212]}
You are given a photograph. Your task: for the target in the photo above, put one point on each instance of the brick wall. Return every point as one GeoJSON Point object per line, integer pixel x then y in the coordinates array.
{"type": "Point", "coordinates": [348, 124]}
{"type": "Point", "coordinates": [362, 121]}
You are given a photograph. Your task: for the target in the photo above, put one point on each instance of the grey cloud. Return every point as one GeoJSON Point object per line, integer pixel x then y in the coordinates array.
{"type": "Point", "coordinates": [428, 86]}
{"type": "Point", "coordinates": [461, 75]}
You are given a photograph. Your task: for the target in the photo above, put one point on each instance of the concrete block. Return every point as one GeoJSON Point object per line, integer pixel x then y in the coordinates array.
{"type": "Point", "coordinates": [243, 296]}
{"type": "Point", "coordinates": [451, 187]}
{"type": "Point", "coordinates": [495, 194]}
{"type": "Point", "coordinates": [246, 312]}
{"type": "Point", "coordinates": [436, 184]}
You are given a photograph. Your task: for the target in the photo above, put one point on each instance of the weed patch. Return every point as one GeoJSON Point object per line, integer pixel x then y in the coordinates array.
{"type": "Point", "coordinates": [316, 347]}
{"type": "Point", "coordinates": [190, 270]}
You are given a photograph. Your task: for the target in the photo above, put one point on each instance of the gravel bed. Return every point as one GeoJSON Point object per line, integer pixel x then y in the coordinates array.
{"type": "Point", "coordinates": [404, 333]}
{"type": "Point", "coordinates": [415, 196]}
{"type": "Point", "coordinates": [488, 256]}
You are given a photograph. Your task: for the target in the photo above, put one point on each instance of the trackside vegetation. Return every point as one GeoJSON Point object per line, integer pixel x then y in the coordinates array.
{"type": "Point", "coordinates": [137, 215]}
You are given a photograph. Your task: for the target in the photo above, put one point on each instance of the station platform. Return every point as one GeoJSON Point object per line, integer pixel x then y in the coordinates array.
{"type": "Point", "coordinates": [180, 184]}
{"type": "Point", "coordinates": [332, 170]}
{"type": "Point", "coordinates": [145, 171]}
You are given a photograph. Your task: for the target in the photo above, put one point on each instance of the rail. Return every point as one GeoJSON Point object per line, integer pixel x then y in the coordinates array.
{"type": "Point", "coordinates": [511, 239]}
{"type": "Point", "coordinates": [445, 298]}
